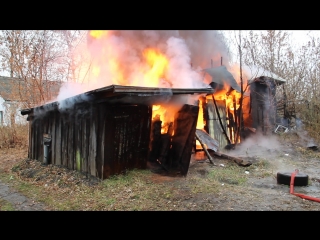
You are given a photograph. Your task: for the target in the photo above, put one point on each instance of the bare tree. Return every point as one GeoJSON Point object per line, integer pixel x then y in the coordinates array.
{"type": "Point", "coordinates": [41, 59]}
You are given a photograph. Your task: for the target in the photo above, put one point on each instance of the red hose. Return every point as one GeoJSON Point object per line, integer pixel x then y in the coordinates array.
{"type": "Point", "coordinates": [299, 194]}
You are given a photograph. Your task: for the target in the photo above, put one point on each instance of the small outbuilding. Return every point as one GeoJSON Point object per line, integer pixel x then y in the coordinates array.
{"type": "Point", "coordinates": [110, 130]}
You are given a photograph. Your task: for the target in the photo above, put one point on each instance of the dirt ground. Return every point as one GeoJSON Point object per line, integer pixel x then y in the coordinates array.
{"type": "Point", "coordinates": [294, 151]}
{"type": "Point", "coordinates": [285, 154]}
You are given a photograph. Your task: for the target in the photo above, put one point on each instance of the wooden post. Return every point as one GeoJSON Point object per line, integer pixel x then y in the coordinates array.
{"type": "Point", "coordinates": [204, 148]}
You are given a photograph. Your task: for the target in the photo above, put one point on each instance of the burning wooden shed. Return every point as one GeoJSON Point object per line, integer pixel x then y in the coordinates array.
{"type": "Point", "coordinates": [221, 109]}
{"type": "Point", "coordinates": [222, 118]}
{"type": "Point", "coordinates": [113, 129]}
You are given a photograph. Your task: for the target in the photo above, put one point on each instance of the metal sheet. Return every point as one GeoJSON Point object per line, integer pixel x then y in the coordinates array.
{"type": "Point", "coordinates": [214, 127]}
{"type": "Point", "coordinates": [208, 140]}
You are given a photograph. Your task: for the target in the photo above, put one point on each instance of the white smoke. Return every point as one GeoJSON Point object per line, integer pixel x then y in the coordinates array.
{"type": "Point", "coordinates": [208, 48]}
{"type": "Point", "coordinates": [180, 70]}
{"type": "Point", "coordinates": [66, 97]}
{"type": "Point", "coordinates": [258, 145]}
{"type": "Point", "coordinates": [187, 52]}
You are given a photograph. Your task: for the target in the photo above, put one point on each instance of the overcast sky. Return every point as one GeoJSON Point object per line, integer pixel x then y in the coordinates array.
{"type": "Point", "coordinates": [299, 37]}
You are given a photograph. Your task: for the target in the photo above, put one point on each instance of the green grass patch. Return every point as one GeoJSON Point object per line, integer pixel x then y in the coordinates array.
{"type": "Point", "coordinates": [232, 175]}
{"type": "Point", "coordinates": [6, 206]}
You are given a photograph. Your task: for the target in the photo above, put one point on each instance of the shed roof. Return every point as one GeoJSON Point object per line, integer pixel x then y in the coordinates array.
{"type": "Point", "coordinates": [221, 75]}
{"type": "Point", "coordinates": [258, 73]}
{"type": "Point", "coordinates": [127, 94]}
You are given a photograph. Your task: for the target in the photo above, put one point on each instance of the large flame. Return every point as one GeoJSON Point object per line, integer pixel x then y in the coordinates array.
{"type": "Point", "coordinates": [232, 103]}
{"type": "Point", "coordinates": [158, 64]}
{"type": "Point", "coordinates": [151, 69]}
{"type": "Point", "coordinates": [98, 33]}
{"type": "Point", "coordinates": [113, 59]}
{"type": "Point", "coordinates": [109, 62]}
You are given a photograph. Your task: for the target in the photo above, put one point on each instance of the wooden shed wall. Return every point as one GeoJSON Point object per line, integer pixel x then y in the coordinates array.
{"type": "Point", "coordinates": [263, 105]}
{"type": "Point", "coordinates": [94, 138]}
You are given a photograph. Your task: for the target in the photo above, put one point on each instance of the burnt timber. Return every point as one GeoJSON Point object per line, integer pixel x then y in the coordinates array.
{"type": "Point", "coordinates": [108, 131]}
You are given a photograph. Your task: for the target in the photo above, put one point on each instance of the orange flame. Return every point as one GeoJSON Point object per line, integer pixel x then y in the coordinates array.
{"type": "Point", "coordinates": [150, 70]}
{"type": "Point", "coordinates": [106, 62]}
{"type": "Point", "coordinates": [158, 64]}
{"type": "Point", "coordinates": [98, 33]}
{"type": "Point", "coordinates": [232, 103]}
{"type": "Point", "coordinates": [96, 70]}
{"type": "Point", "coordinates": [200, 122]}
{"type": "Point", "coordinates": [115, 69]}
{"type": "Point", "coordinates": [160, 113]}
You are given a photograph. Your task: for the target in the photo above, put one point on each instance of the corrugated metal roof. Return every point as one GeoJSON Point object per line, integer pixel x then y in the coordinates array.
{"type": "Point", "coordinates": [254, 73]}
{"type": "Point", "coordinates": [221, 76]}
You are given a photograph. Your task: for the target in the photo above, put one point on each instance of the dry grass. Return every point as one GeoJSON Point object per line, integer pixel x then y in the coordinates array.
{"type": "Point", "coordinates": [16, 136]}
{"type": "Point", "coordinates": [206, 187]}
{"type": "Point", "coordinates": [138, 190]}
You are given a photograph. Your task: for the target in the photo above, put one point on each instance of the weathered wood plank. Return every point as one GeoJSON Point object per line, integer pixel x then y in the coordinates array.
{"type": "Point", "coordinates": [37, 140]}
{"type": "Point", "coordinates": [101, 142]}
{"type": "Point", "coordinates": [58, 139]}
{"type": "Point", "coordinates": [184, 134]}
{"type": "Point", "coordinates": [53, 139]}
{"type": "Point", "coordinates": [71, 143]}
{"type": "Point", "coordinates": [93, 141]}
{"type": "Point", "coordinates": [109, 147]}
{"type": "Point", "coordinates": [85, 142]}
{"type": "Point", "coordinates": [49, 132]}
{"type": "Point", "coordinates": [78, 133]}
{"type": "Point", "coordinates": [64, 139]}
{"type": "Point", "coordinates": [40, 139]}
{"type": "Point", "coordinates": [30, 143]}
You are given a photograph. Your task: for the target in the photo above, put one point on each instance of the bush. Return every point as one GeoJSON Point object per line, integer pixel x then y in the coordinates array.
{"type": "Point", "coordinates": [14, 136]}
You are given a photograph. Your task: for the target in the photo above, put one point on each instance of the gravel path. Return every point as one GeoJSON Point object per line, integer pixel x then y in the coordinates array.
{"type": "Point", "coordinates": [19, 201]}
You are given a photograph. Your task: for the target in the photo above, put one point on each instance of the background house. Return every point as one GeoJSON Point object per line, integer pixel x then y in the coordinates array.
{"type": "Point", "coordinates": [17, 94]}
{"type": "Point", "coordinates": [10, 102]}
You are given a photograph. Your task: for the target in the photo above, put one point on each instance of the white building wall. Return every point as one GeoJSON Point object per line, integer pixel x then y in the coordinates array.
{"type": "Point", "coordinates": [2, 110]}
{"type": "Point", "coordinates": [10, 110]}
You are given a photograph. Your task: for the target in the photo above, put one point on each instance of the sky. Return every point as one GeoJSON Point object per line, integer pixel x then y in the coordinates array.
{"type": "Point", "coordinates": [302, 36]}
{"type": "Point", "coordinates": [299, 37]}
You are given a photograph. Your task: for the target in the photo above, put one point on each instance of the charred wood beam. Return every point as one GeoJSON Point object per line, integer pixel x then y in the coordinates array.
{"type": "Point", "coordinates": [204, 148]}
{"type": "Point", "coordinates": [235, 117]}
{"type": "Point", "coordinates": [231, 125]}
{"type": "Point", "coordinates": [165, 146]}
{"type": "Point", "coordinates": [156, 139]}
{"type": "Point", "coordinates": [239, 161]}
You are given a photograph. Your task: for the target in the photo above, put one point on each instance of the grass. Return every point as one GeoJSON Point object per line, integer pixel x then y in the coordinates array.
{"type": "Point", "coordinates": [6, 206]}
{"type": "Point", "coordinates": [138, 190]}
{"type": "Point", "coordinates": [228, 176]}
